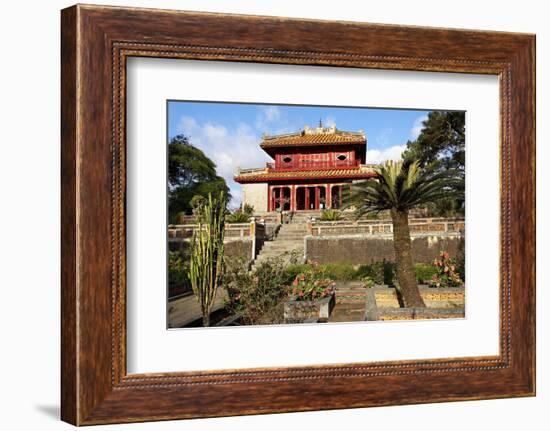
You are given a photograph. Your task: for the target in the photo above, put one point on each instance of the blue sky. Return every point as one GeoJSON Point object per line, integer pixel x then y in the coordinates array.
{"type": "Point", "coordinates": [230, 133]}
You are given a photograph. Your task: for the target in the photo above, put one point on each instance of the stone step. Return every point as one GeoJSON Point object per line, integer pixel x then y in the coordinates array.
{"type": "Point", "coordinates": [257, 262]}
{"type": "Point", "coordinates": [277, 253]}
{"type": "Point", "coordinates": [357, 291]}
{"type": "Point", "coordinates": [284, 259]}
{"type": "Point", "coordinates": [283, 243]}
{"type": "Point", "coordinates": [291, 238]}
{"type": "Point", "coordinates": [280, 253]}
{"type": "Point", "coordinates": [280, 250]}
{"type": "Point", "coordinates": [291, 234]}
{"type": "Point", "coordinates": [291, 228]}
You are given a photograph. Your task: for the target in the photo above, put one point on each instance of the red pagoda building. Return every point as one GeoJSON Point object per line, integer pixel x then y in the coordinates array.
{"type": "Point", "coordinates": [310, 170]}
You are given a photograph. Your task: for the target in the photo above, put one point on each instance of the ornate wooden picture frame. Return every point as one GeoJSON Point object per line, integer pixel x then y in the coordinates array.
{"type": "Point", "coordinates": [96, 42]}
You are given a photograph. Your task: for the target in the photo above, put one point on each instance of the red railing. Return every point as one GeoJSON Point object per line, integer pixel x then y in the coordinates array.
{"type": "Point", "coordinates": [313, 165]}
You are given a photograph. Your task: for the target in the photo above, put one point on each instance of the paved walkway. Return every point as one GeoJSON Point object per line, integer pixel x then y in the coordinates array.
{"type": "Point", "coordinates": [186, 309]}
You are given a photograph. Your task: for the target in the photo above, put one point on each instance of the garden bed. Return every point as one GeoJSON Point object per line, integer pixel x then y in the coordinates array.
{"type": "Point", "coordinates": [441, 303]}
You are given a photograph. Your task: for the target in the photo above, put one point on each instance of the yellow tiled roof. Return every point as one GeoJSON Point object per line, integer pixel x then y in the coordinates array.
{"type": "Point", "coordinates": [313, 139]}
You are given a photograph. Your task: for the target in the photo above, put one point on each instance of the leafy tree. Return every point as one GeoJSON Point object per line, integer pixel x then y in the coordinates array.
{"type": "Point", "coordinates": [441, 141]}
{"type": "Point", "coordinates": [441, 145]}
{"type": "Point", "coordinates": [190, 173]}
{"type": "Point", "coordinates": [196, 202]}
{"type": "Point", "coordinates": [399, 187]}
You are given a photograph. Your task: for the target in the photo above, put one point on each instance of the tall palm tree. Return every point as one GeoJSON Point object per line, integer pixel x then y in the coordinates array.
{"type": "Point", "coordinates": [398, 187]}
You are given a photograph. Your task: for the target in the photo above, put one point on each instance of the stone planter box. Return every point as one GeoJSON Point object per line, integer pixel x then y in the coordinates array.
{"type": "Point", "coordinates": [309, 311]}
{"type": "Point", "coordinates": [441, 303]}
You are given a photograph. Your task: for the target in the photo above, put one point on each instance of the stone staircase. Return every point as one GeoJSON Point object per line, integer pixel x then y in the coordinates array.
{"type": "Point", "coordinates": [351, 303]}
{"type": "Point", "coordinates": [289, 240]}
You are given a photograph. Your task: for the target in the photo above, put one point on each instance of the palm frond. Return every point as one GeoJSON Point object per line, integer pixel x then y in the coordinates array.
{"type": "Point", "coordinates": [404, 185]}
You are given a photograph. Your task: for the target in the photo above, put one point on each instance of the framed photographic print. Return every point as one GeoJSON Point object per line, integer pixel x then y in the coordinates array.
{"type": "Point", "coordinates": [326, 214]}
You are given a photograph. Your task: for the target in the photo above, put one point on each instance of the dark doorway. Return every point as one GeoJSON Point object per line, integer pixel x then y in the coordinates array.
{"type": "Point", "coordinates": [322, 197]}
{"type": "Point", "coordinates": [336, 193]}
{"type": "Point", "coordinates": [300, 198]}
{"type": "Point", "coordinates": [311, 198]}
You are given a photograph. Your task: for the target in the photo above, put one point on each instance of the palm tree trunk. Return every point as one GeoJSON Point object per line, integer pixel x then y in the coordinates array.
{"type": "Point", "coordinates": [403, 259]}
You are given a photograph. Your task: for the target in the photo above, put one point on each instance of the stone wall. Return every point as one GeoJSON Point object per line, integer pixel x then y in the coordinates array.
{"type": "Point", "coordinates": [234, 248]}
{"type": "Point", "coordinates": [255, 194]}
{"type": "Point", "coordinates": [364, 249]}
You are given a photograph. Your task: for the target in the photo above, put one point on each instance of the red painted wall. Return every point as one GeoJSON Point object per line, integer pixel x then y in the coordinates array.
{"type": "Point", "coordinates": [316, 158]}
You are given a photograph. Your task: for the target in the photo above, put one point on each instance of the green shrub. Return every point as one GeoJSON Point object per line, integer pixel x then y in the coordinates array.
{"type": "Point", "coordinates": [331, 215]}
{"type": "Point", "coordinates": [312, 284]}
{"type": "Point", "coordinates": [377, 273]}
{"type": "Point", "coordinates": [446, 275]}
{"type": "Point", "coordinates": [248, 210]}
{"type": "Point", "coordinates": [368, 282]}
{"type": "Point", "coordinates": [339, 271]}
{"type": "Point", "coordinates": [178, 267]}
{"type": "Point", "coordinates": [291, 271]}
{"type": "Point", "coordinates": [424, 272]}
{"type": "Point", "coordinates": [257, 295]}
{"type": "Point", "coordinates": [371, 272]}
{"type": "Point", "coordinates": [237, 217]}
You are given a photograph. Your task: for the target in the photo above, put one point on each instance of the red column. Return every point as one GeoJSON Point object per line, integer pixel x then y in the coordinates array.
{"type": "Point", "coordinates": [328, 196]}
{"type": "Point", "coordinates": [293, 198]}
{"type": "Point", "coordinates": [306, 197]}
{"type": "Point", "coordinates": [317, 196]}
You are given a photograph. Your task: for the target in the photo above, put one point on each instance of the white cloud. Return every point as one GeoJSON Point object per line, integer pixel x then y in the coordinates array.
{"type": "Point", "coordinates": [236, 196]}
{"type": "Point", "coordinates": [383, 138]}
{"type": "Point", "coordinates": [390, 153]}
{"type": "Point", "coordinates": [329, 121]}
{"type": "Point", "coordinates": [186, 124]}
{"type": "Point", "coordinates": [228, 148]}
{"type": "Point", "coordinates": [267, 116]}
{"type": "Point", "coordinates": [418, 126]}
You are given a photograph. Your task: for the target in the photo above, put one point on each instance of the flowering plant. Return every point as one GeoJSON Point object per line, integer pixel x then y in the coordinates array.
{"type": "Point", "coordinates": [312, 284]}
{"type": "Point", "coordinates": [446, 275]}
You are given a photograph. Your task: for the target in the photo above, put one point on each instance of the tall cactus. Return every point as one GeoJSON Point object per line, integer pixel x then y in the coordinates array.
{"type": "Point", "coordinates": [206, 264]}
